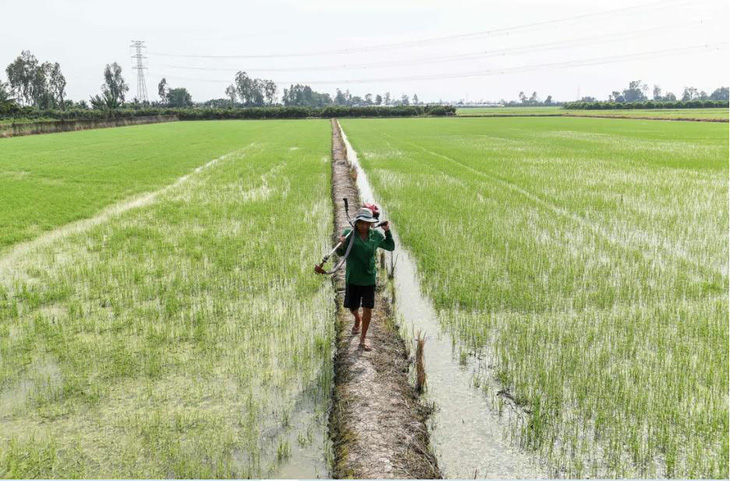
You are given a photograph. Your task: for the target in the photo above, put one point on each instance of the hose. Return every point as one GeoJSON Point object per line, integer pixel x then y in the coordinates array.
{"type": "Point", "coordinates": [344, 257]}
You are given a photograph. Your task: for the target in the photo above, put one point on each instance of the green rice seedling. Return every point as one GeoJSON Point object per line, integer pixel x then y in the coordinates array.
{"type": "Point", "coordinates": [49, 180]}
{"type": "Point", "coordinates": [587, 263]}
{"type": "Point", "coordinates": [168, 340]}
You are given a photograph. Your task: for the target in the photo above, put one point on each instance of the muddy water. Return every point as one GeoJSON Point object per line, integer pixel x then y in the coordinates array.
{"type": "Point", "coordinates": [468, 437]}
{"type": "Point", "coordinates": [308, 442]}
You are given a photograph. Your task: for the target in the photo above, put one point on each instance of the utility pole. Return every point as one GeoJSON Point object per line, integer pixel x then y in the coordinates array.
{"type": "Point", "coordinates": [140, 67]}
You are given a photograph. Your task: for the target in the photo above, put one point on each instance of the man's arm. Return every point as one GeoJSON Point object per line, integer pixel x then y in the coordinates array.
{"type": "Point", "coordinates": [341, 250]}
{"type": "Point", "coordinates": [388, 243]}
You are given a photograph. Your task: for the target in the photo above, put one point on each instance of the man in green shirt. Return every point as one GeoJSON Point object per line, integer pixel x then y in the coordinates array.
{"type": "Point", "coordinates": [360, 271]}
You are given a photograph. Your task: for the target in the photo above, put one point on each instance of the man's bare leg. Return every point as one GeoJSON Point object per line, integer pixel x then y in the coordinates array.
{"type": "Point", "coordinates": [358, 320]}
{"type": "Point", "coordinates": [367, 313]}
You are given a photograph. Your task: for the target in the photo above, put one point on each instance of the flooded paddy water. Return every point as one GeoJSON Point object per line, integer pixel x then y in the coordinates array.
{"type": "Point", "coordinates": [469, 437]}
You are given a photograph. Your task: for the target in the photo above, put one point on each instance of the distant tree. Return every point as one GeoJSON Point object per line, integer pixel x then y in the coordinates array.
{"type": "Point", "coordinates": [303, 96]}
{"type": "Point", "coordinates": [386, 98]}
{"type": "Point", "coordinates": [114, 87]}
{"type": "Point", "coordinates": [368, 99]}
{"type": "Point", "coordinates": [250, 90]}
{"type": "Point", "coordinates": [669, 97]}
{"type": "Point", "coordinates": [522, 97]}
{"type": "Point", "coordinates": [179, 98]}
{"type": "Point", "coordinates": [533, 99]}
{"type": "Point", "coordinates": [404, 100]}
{"type": "Point", "coordinates": [21, 74]}
{"type": "Point", "coordinates": [57, 84]}
{"type": "Point", "coordinates": [587, 99]}
{"type": "Point", "coordinates": [690, 93]}
{"type": "Point", "coordinates": [105, 101]}
{"type": "Point", "coordinates": [5, 94]}
{"type": "Point", "coordinates": [657, 93]}
{"type": "Point", "coordinates": [635, 92]}
{"type": "Point", "coordinates": [719, 94]}
{"type": "Point", "coordinates": [378, 100]}
{"type": "Point", "coordinates": [703, 95]}
{"type": "Point", "coordinates": [270, 92]}
{"type": "Point", "coordinates": [41, 85]}
{"type": "Point", "coordinates": [342, 98]}
{"type": "Point", "coordinates": [549, 100]}
{"type": "Point", "coordinates": [231, 94]}
{"type": "Point", "coordinates": [82, 104]}
{"type": "Point", "coordinates": [162, 90]}
{"type": "Point", "coordinates": [7, 102]}
{"type": "Point", "coordinates": [258, 92]}
{"type": "Point", "coordinates": [616, 96]}
{"type": "Point", "coordinates": [415, 100]}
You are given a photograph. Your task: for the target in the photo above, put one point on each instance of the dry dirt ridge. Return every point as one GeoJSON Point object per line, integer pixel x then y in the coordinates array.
{"type": "Point", "coordinates": [377, 423]}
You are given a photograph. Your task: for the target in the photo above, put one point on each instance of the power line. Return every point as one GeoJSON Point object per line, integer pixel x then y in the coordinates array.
{"type": "Point", "coordinates": [490, 72]}
{"type": "Point", "coordinates": [411, 43]}
{"type": "Point", "coordinates": [541, 47]}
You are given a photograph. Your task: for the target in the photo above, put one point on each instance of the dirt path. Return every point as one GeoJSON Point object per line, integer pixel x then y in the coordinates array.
{"type": "Point", "coordinates": [377, 424]}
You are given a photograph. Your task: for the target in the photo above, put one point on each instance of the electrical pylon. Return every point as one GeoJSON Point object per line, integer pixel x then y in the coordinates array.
{"type": "Point", "coordinates": [140, 67]}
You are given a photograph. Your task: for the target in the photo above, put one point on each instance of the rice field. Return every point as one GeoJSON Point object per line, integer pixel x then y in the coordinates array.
{"type": "Point", "coordinates": [185, 337]}
{"type": "Point", "coordinates": [659, 113]}
{"type": "Point", "coordinates": [179, 331]}
{"type": "Point", "coordinates": [49, 180]}
{"type": "Point", "coordinates": [586, 262]}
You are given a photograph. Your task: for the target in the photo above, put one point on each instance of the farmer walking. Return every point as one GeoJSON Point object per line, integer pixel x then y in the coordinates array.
{"type": "Point", "coordinates": [360, 270]}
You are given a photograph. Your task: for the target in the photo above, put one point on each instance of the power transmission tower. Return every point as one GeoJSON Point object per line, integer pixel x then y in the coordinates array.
{"type": "Point", "coordinates": [140, 67]}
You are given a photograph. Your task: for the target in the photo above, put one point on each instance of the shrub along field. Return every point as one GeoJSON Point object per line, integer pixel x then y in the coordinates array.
{"type": "Point", "coordinates": [587, 259]}
{"type": "Point", "coordinates": [186, 338]}
{"type": "Point", "coordinates": [685, 113]}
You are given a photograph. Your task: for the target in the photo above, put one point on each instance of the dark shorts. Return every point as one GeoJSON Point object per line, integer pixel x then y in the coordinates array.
{"type": "Point", "coordinates": [359, 295]}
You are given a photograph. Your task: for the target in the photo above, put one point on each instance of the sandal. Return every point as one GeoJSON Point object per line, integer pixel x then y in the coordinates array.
{"type": "Point", "coordinates": [364, 346]}
{"type": "Point", "coordinates": [355, 330]}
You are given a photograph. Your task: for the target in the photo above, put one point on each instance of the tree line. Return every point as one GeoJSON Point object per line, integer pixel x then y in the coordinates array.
{"type": "Point", "coordinates": [42, 86]}
{"type": "Point", "coordinates": [532, 101]}
{"type": "Point", "coordinates": [636, 96]}
{"type": "Point", "coordinates": [648, 104]}
{"type": "Point", "coordinates": [204, 113]}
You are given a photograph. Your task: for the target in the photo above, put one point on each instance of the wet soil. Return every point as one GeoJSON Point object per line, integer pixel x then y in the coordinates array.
{"type": "Point", "coordinates": [377, 422]}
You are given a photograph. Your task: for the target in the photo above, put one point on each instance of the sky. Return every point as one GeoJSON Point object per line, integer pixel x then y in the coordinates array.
{"type": "Point", "coordinates": [474, 50]}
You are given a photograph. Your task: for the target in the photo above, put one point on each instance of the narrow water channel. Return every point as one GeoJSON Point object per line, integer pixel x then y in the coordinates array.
{"type": "Point", "coordinates": [469, 439]}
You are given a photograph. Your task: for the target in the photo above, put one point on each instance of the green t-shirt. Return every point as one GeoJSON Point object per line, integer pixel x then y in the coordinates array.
{"type": "Point", "coordinates": [360, 269]}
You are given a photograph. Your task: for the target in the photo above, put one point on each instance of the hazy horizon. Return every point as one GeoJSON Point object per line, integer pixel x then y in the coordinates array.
{"type": "Point", "coordinates": [470, 50]}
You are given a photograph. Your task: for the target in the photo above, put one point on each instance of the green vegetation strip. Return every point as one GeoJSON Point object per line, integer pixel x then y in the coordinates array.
{"type": "Point", "coordinates": [180, 339]}
{"type": "Point", "coordinates": [687, 114]}
{"type": "Point", "coordinates": [588, 260]}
